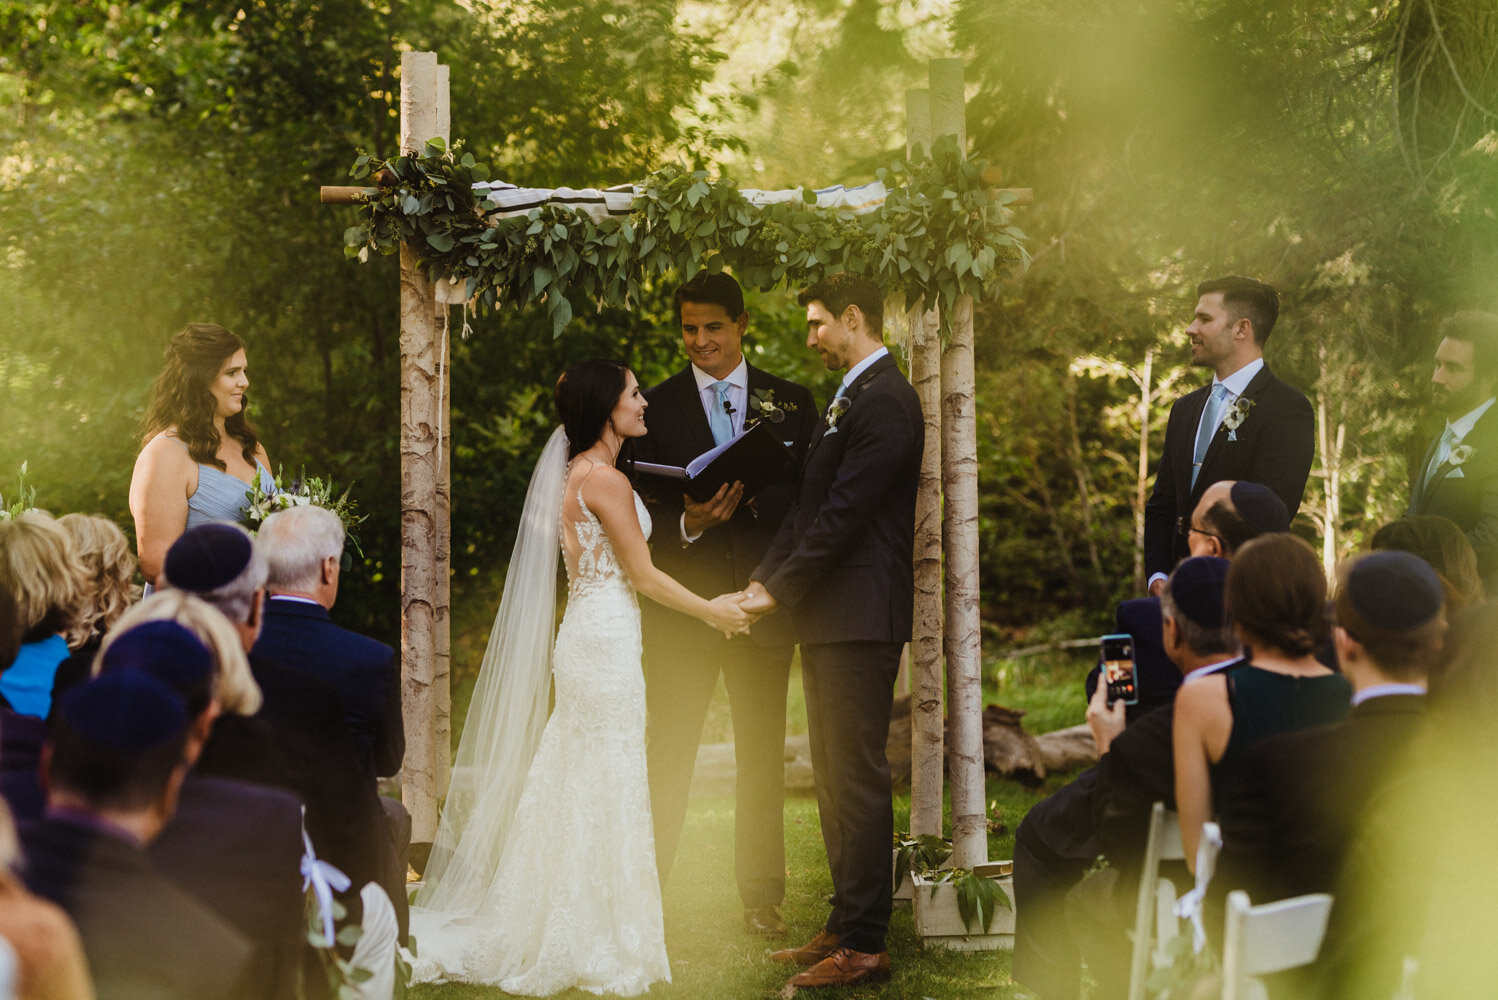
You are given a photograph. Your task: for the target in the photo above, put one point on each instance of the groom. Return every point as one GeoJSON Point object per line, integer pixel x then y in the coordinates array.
{"type": "Point", "coordinates": [843, 564]}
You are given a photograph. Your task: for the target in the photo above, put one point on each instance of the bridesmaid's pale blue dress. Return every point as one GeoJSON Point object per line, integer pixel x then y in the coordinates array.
{"type": "Point", "coordinates": [221, 496]}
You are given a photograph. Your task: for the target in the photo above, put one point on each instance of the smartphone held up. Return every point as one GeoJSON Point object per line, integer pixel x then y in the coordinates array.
{"type": "Point", "coordinates": [1117, 657]}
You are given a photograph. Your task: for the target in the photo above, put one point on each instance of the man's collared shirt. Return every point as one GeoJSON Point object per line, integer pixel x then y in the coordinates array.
{"type": "Point", "coordinates": [859, 369]}
{"type": "Point", "coordinates": [1210, 668]}
{"type": "Point", "coordinates": [1383, 691]}
{"type": "Point", "coordinates": [738, 393]}
{"type": "Point", "coordinates": [1235, 384]}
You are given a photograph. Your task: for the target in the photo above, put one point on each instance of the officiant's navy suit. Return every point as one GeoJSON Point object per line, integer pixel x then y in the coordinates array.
{"type": "Point", "coordinates": [1273, 447]}
{"type": "Point", "coordinates": [683, 658]}
{"type": "Point", "coordinates": [842, 566]}
{"type": "Point", "coordinates": [1466, 492]}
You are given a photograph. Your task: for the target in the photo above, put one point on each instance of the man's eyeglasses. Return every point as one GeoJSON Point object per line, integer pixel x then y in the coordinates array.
{"type": "Point", "coordinates": [1191, 527]}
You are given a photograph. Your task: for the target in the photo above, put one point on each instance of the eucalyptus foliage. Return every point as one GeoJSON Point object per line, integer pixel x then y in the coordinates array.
{"type": "Point", "coordinates": [942, 232]}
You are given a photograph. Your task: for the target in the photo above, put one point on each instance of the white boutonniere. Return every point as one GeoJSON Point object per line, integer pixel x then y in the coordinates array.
{"type": "Point", "coordinates": [1458, 455]}
{"type": "Point", "coordinates": [1236, 414]}
{"type": "Point", "coordinates": [835, 411]}
{"type": "Point", "coordinates": [763, 406]}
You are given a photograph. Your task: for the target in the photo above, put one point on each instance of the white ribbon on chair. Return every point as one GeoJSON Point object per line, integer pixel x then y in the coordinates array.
{"type": "Point", "coordinates": [1189, 906]}
{"type": "Point", "coordinates": [325, 879]}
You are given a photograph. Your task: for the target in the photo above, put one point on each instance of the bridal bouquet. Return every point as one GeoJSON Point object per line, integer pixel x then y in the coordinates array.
{"type": "Point", "coordinates": [304, 491]}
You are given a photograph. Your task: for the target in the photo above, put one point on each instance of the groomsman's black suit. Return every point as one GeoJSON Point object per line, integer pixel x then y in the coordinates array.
{"type": "Point", "coordinates": [144, 935]}
{"type": "Point", "coordinates": [1466, 493]}
{"type": "Point", "coordinates": [683, 657]}
{"type": "Point", "coordinates": [842, 566]}
{"type": "Point", "coordinates": [1273, 447]}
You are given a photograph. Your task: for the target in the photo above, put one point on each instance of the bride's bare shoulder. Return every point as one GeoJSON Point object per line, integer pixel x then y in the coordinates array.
{"type": "Point", "coordinates": [605, 485]}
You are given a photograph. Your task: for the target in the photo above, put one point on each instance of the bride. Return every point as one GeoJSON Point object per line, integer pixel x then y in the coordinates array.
{"type": "Point", "coordinates": [542, 876]}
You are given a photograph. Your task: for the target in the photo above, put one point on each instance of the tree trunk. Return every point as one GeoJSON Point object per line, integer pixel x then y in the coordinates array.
{"type": "Point", "coordinates": [1146, 396]}
{"type": "Point", "coordinates": [927, 742]}
{"type": "Point", "coordinates": [424, 527]}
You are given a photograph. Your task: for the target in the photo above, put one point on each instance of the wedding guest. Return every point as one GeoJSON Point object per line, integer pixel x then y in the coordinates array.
{"type": "Point", "coordinates": [200, 454]}
{"type": "Point", "coordinates": [109, 567]}
{"type": "Point", "coordinates": [49, 955]}
{"type": "Point", "coordinates": [1442, 544]}
{"type": "Point", "coordinates": [112, 775]}
{"type": "Point", "coordinates": [21, 736]}
{"type": "Point", "coordinates": [1276, 600]}
{"type": "Point", "coordinates": [39, 565]}
{"type": "Point", "coordinates": [1300, 801]}
{"type": "Point", "coordinates": [303, 548]}
{"type": "Point", "coordinates": [1246, 425]}
{"type": "Point", "coordinates": [234, 845]}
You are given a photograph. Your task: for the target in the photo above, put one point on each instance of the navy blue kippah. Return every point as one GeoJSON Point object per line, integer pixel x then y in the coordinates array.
{"type": "Point", "coordinates": [208, 556]}
{"type": "Point", "coordinates": [169, 653]}
{"type": "Point", "coordinates": [1395, 589]}
{"type": "Point", "coordinates": [1259, 506]}
{"type": "Point", "coordinates": [123, 710]}
{"type": "Point", "coordinates": [1196, 589]}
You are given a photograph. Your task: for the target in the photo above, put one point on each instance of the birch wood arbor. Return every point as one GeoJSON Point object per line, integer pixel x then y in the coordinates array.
{"type": "Point", "coordinates": [940, 237]}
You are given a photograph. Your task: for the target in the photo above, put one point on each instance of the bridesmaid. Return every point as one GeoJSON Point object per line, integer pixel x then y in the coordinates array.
{"type": "Point", "coordinates": [200, 455]}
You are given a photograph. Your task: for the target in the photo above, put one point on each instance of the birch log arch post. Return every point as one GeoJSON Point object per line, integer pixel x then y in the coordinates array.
{"type": "Point", "coordinates": [932, 230]}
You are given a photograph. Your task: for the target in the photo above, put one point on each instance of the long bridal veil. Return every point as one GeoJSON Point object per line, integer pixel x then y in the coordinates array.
{"type": "Point", "coordinates": [509, 706]}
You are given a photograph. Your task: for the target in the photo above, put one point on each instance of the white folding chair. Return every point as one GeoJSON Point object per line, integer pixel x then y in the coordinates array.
{"type": "Point", "coordinates": [1260, 939]}
{"type": "Point", "coordinates": [1163, 844]}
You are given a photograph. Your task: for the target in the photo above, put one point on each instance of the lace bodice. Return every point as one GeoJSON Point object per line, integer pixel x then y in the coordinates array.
{"type": "Point", "coordinates": [593, 562]}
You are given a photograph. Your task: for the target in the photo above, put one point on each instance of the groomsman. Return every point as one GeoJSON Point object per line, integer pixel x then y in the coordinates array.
{"type": "Point", "coordinates": [711, 547]}
{"type": "Point", "coordinates": [1246, 425]}
{"type": "Point", "coordinates": [843, 565]}
{"type": "Point", "coordinates": [1458, 477]}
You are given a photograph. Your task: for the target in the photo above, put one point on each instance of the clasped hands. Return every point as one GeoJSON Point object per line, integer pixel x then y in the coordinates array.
{"type": "Point", "coordinates": [745, 607]}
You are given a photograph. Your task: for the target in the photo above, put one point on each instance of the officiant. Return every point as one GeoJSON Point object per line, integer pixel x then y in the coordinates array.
{"type": "Point", "coordinates": [711, 547]}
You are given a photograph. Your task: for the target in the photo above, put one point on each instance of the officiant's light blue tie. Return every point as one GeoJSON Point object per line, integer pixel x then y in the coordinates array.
{"type": "Point", "coordinates": [718, 419]}
{"type": "Point", "coordinates": [1208, 428]}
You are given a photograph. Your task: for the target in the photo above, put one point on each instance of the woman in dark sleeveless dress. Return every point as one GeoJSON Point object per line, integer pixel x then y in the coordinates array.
{"type": "Point", "coordinates": [200, 455]}
{"type": "Point", "coordinates": [1276, 600]}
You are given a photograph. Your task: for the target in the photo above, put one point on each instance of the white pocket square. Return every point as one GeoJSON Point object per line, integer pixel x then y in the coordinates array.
{"type": "Point", "coordinates": [1456, 474]}
{"type": "Point", "coordinates": [830, 430]}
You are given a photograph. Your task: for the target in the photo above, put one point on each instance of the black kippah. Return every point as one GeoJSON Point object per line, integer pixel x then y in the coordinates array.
{"type": "Point", "coordinates": [207, 557]}
{"type": "Point", "coordinates": [1395, 589]}
{"type": "Point", "coordinates": [166, 651]}
{"type": "Point", "coordinates": [123, 710]}
{"type": "Point", "coordinates": [1196, 589]}
{"type": "Point", "coordinates": [1261, 507]}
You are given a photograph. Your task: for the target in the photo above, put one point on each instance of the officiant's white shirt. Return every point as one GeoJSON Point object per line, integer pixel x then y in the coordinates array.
{"type": "Point", "coordinates": [738, 398]}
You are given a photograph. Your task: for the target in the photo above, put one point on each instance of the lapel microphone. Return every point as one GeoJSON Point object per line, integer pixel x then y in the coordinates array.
{"type": "Point", "coordinates": [727, 406]}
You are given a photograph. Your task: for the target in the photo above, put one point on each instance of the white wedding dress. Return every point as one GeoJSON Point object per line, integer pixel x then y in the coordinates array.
{"type": "Point", "coordinates": [572, 898]}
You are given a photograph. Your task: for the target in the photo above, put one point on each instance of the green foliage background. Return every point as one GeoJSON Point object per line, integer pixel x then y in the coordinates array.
{"type": "Point", "coordinates": [159, 161]}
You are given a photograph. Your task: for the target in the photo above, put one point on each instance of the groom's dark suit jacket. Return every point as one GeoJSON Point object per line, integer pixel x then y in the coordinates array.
{"type": "Point", "coordinates": [1273, 447]}
{"type": "Point", "coordinates": [721, 560]}
{"type": "Point", "coordinates": [1466, 493]}
{"type": "Point", "coordinates": [843, 560]}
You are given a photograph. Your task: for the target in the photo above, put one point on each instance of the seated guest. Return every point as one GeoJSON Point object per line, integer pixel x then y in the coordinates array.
{"type": "Point", "coordinates": [109, 567]}
{"type": "Point", "coordinates": [49, 956]}
{"type": "Point", "coordinates": [1442, 544]}
{"type": "Point", "coordinates": [304, 548]}
{"type": "Point", "coordinates": [239, 745]}
{"type": "Point", "coordinates": [1061, 837]}
{"type": "Point", "coordinates": [303, 714]}
{"type": "Point", "coordinates": [1301, 796]}
{"type": "Point", "coordinates": [1229, 515]}
{"type": "Point", "coordinates": [1276, 601]}
{"type": "Point", "coordinates": [236, 846]}
{"type": "Point", "coordinates": [21, 736]}
{"type": "Point", "coordinates": [38, 564]}
{"type": "Point", "coordinates": [112, 772]}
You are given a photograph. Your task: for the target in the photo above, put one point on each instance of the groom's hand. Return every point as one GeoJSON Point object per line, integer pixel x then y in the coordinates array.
{"type": "Point", "coordinates": [756, 600]}
{"type": "Point", "coordinates": [711, 513]}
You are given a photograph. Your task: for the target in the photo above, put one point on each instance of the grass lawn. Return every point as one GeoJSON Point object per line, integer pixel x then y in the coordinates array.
{"type": "Point", "coordinates": [714, 958]}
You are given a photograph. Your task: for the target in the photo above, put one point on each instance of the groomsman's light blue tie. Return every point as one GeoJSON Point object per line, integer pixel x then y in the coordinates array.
{"type": "Point", "coordinates": [1443, 451]}
{"type": "Point", "coordinates": [1207, 429]}
{"type": "Point", "coordinates": [718, 419]}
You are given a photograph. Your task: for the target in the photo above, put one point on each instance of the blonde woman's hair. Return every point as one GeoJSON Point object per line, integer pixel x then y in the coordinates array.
{"type": "Point", "coordinates": [10, 845]}
{"type": "Point", "coordinates": [101, 547]}
{"type": "Point", "coordinates": [39, 565]}
{"type": "Point", "coordinates": [234, 686]}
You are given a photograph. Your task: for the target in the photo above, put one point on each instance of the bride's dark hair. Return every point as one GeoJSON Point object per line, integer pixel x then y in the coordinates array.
{"type": "Point", "coordinates": [585, 396]}
{"type": "Point", "coordinates": [181, 397]}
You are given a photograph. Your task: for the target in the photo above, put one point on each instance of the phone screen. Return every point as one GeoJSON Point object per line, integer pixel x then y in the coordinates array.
{"type": "Point", "coordinates": [1118, 668]}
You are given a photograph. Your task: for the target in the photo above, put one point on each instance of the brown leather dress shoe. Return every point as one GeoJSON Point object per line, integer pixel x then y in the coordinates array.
{"type": "Point", "coordinates": [809, 953]}
{"type": "Point", "coordinates": [844, 967]}
{"type": "Point", "coordinates": [764, 920]}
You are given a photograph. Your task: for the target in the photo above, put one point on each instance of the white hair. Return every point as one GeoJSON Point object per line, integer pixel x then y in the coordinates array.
{"type": "Point", "coordinates": [295, 541]}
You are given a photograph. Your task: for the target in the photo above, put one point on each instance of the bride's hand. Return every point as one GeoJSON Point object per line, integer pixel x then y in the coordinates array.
{"type": "Point", "coordinates": [725, 615]}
